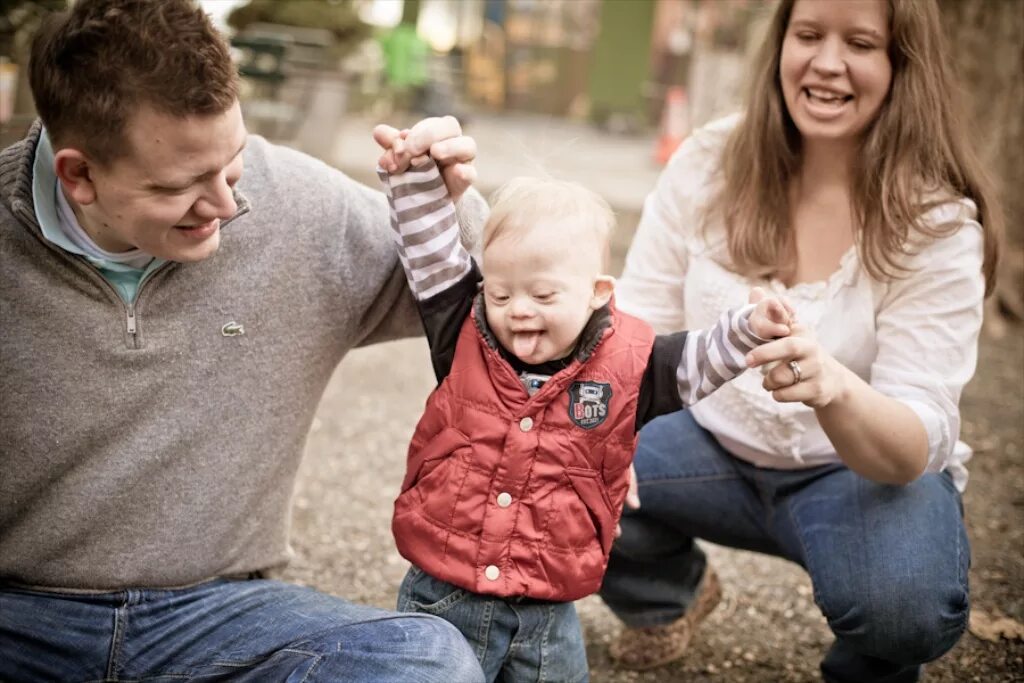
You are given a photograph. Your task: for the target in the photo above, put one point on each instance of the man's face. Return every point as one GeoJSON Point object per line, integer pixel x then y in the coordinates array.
{"type": "Point", "coordinates": [168, 195]}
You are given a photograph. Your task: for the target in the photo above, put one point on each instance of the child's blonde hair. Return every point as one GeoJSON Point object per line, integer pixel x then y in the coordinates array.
{"type": "Point", "coordinates": [523, 202]}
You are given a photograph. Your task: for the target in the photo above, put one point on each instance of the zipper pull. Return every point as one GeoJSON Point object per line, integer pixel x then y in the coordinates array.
{"type": "Point", "coordinates": [131, 320]}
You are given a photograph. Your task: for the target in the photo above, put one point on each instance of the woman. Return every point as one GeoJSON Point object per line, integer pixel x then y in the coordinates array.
{"type": "Point", "coordinates": [849, 188]}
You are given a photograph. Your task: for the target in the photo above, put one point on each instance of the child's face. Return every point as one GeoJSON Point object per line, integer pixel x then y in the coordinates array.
{"type": "Point", "coordinates": [541, 286]}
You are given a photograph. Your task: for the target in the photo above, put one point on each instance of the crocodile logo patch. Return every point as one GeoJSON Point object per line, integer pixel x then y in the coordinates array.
{"type": "Point", "coordinates": [232, 329]}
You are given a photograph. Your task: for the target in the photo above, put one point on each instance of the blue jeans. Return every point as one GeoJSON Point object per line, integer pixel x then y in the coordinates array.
{"type": "Point", "coordinates": [888, 563]}
{"type": "Point", "coordinates": [516, 640]}
{"type": "Point", "coordinates": [258, 631]}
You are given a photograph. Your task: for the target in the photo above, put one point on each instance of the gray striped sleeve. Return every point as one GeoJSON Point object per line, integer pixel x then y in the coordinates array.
{"type": "Point", "coordinates": [712, 357]}
{"type": "Point", "coordinates": [426, 229]}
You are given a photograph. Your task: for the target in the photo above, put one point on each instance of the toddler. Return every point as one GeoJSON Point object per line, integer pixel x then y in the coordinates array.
{"type": "Point", "coordinates": [519, 467]}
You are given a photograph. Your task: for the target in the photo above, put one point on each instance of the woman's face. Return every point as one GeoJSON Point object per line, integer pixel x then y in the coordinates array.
{"type": "Point", "coordinates": [835, 69]}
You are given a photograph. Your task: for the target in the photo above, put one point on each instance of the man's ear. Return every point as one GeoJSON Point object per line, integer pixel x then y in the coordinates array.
{"type": "Point", "coordinates": [604, 287]}
{"type": "Point", "coordinates": [75, 172]}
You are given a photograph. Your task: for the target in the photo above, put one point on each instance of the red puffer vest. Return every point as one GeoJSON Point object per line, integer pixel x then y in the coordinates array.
{"type": "Point", "coordinates": [515, 495]}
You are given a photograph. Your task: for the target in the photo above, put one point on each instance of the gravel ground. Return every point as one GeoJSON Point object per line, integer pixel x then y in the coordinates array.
{"type": "Point", "coordinates": [766, 629]}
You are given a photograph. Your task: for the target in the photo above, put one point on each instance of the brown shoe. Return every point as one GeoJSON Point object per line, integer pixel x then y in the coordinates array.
{"type": "Point", "coordinates": [647, 648]}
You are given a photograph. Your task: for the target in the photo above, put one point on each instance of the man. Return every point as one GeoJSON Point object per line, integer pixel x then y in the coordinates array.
{"type": "Point", "coordinates": [168, 323]}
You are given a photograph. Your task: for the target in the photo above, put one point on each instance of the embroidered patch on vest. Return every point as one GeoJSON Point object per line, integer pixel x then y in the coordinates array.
{"type": "Point", "coordinates": [588, 403]}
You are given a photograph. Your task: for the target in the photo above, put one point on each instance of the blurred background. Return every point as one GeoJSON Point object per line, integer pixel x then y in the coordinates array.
{"type": "Point", "coordinates": [541, 83]}
{"type": "Point", "coordinates": [601, 92]}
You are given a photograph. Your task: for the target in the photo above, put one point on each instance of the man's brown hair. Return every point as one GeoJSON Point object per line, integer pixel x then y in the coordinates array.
{"type": "Point", "coordinates": [93, 66]}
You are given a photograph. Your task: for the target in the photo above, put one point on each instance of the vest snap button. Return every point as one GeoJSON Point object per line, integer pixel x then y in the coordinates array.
{"type": "Point", "coordinates": [504, 499]}
{"type": "Point", "coordinates": [492, 573]}
{"type": "Point", "coordinates": [526, 424]}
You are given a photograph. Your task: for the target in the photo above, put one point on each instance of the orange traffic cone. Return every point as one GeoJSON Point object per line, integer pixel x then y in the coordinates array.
{"type": "Point", "coordinates": [675, 124]}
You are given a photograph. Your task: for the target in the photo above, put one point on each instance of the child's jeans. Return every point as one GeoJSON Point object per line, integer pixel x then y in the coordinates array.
{"type": "Point", "coordinates": [515, 639]}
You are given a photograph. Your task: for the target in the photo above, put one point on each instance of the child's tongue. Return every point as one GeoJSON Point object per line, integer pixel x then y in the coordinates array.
{"type": "Point", "coordinates": [525, 343]}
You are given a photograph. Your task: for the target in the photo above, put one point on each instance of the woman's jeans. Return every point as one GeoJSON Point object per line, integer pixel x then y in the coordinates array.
{"type": "Point", "coordinates": [515, 639]}
{"type": "Point", "coordinates": [258, 631]}
{"type": "Point", "coordinates": [888, 563]}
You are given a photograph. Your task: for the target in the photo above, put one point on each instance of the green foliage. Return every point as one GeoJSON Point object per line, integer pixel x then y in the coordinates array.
{"type": "Point", "coordinates": [20, 17]}
{"type": "Point", "coordinates": [9, 8]}
{"type": "Point", "coordinates": [337, 16]}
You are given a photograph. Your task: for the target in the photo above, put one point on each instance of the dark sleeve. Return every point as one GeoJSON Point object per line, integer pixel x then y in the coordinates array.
{"type": "Point", "coordinates": [443, 315]}
{"type": "Point", "coordinates": [659, 388]}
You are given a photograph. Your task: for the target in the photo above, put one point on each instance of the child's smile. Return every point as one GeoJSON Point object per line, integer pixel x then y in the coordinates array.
{"type": "Point", "coordinates": [539, 286]}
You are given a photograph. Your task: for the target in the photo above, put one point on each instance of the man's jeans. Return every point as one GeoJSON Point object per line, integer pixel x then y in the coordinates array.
{"type": "Point", "coordinates": [515, 640]}
{"type": "Point", "coordinates": [888, 563]}
{"type": "Point", "coordinates": [259, 631]}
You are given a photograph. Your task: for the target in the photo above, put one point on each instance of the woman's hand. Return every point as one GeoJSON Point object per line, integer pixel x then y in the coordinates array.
{"type": "Point", "coordinates": [875, 435]}
{"type": "Point", "coordinates": [800, 370]}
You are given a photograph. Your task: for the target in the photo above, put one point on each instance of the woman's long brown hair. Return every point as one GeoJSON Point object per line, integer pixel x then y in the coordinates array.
{"type": "Point", "coordinates": [916, 155]}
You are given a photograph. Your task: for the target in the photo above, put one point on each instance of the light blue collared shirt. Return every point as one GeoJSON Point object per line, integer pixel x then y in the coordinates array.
{"type": "Point", "coordinates": [45, 187]}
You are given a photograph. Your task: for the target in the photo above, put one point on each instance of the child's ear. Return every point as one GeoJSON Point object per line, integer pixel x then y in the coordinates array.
{"type": "Point", "coordinates": [75, 172]}
{"type": "Point", "coordinates": [604, 287]}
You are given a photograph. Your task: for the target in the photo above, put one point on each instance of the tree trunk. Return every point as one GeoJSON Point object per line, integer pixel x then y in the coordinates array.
{"type": "Point", "coordinates": [987, 42]}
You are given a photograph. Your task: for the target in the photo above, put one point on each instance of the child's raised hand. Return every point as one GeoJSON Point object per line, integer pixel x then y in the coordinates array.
{"type": "Point", "coordinates": [396, 157]}
{"type": "Point", "coordinates": [439, 137]}
{"type": "Point", "coordinates": [772, 317]}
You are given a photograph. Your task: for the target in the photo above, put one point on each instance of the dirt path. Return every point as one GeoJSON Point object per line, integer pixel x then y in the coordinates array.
{"type": "Point", "coordinates": [768, 628]}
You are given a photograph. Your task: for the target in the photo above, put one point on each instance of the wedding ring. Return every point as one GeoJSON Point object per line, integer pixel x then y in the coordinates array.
{"type": "Point", "coordinates": [795, 367]}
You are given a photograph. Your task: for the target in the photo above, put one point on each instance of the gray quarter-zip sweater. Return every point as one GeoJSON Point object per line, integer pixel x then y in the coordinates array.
{"type": "Point", "coordinates": [156, 444]}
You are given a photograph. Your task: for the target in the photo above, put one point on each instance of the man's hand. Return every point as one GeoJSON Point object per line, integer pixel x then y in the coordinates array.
{"type": "Point", "coordinates": [441, 138]}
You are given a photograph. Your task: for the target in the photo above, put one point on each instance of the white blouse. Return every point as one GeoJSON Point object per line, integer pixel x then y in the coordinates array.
{"type": "Point", "coordinates": [914, 339]}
